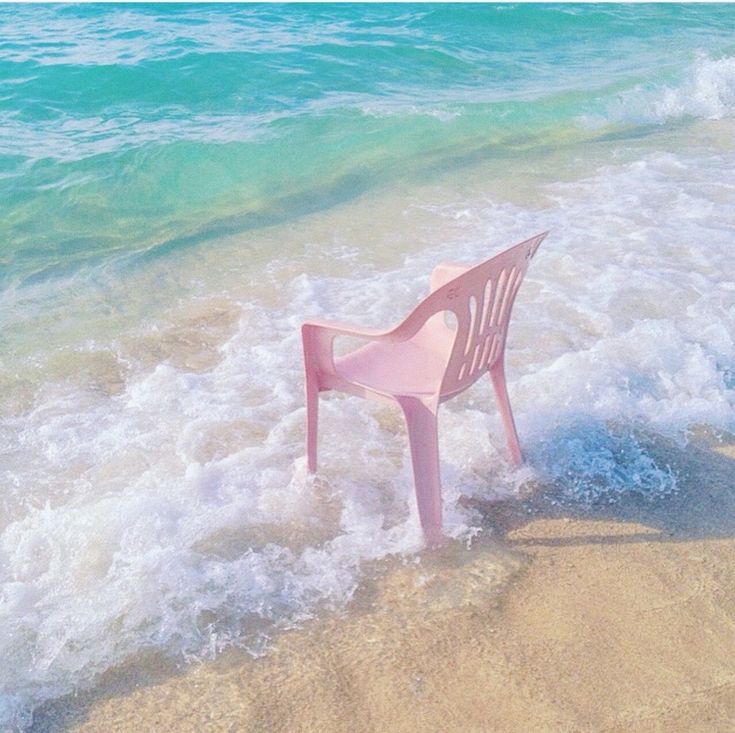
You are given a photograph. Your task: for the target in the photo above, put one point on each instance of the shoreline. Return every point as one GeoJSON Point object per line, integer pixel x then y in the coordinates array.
{"type": "Point", "coordinates": [561, 618]}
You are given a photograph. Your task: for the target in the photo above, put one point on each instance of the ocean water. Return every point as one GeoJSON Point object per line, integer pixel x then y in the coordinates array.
{"type": "Point", "coordinates": [182, 186]}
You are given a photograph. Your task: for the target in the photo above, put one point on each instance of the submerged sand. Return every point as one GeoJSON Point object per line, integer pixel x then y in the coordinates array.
{"type": "Point", "coordinates": [558, 618]}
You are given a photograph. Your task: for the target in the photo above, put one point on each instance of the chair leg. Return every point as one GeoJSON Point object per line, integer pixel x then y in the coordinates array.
{"type": "Point", "coordinates": [497, 375]}
{"type": "Point", "coordinates": [421, 421]}
{"type": "Point", "coordinates": [312, 420]}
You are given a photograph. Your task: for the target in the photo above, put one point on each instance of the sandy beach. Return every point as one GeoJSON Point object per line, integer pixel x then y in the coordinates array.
{"type": "Point", "coordinates": [558, 618]}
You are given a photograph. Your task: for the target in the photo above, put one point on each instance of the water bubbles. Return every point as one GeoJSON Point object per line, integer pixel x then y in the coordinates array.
{"type": "Point", "coordinates": [589, 461]}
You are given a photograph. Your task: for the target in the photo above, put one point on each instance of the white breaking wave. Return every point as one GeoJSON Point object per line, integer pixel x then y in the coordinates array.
{"type": "Point", "coordinates": [706, 91]}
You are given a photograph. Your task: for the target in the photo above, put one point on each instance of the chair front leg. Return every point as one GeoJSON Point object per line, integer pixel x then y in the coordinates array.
{"type": "Point", "coordinates": [421, 422]}
{"type": "Point", "coordinates": [312, 419]}
{"type": "Point", "coordinates": [497, 376]}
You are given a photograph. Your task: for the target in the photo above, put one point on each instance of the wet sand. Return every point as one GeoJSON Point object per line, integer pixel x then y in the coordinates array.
{"type": "Point", "coordinates": [558, 618]}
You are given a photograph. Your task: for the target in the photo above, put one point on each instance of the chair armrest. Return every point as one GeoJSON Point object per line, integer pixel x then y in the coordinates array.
{"type": "Point", "coordinates": [337, 328]}
{"type": "Point", "coordinates": [445, 272]}
{"type": "Point", "coordinates": [318, 339]}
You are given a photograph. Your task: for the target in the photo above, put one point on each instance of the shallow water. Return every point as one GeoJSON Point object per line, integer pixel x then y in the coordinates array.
{"type": "Point", "coordinates": [182, 186]}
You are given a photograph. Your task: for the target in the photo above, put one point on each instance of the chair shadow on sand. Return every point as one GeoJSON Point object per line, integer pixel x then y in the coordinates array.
{"type": "Point", "coordinates": [701, 507]}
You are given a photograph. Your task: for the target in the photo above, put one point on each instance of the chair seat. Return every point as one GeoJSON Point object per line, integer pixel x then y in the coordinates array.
{"type": "Point", "coordinates": [405, 368]}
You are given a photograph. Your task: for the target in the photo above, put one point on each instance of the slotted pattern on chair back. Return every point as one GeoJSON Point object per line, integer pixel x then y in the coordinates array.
{"type": "Point", "coordinates": [481, 299]}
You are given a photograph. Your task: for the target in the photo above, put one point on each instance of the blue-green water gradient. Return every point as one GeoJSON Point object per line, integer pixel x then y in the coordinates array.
{"type": "Point", "coordinates": [128, 129]}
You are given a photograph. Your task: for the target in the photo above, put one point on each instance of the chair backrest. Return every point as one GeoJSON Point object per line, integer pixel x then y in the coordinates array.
{"type": "Point", "coordinates": [481, 299]}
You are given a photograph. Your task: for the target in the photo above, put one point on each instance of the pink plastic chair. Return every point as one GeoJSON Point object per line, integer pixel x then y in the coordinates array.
{"type": "Point", "coordinates": [423, 362]}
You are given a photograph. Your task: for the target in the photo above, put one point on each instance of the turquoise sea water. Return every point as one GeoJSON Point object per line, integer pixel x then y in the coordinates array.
{"type": "Point", "coordinates": [180, 186]}
{"type": "Point", "coordinates": [146, 129]}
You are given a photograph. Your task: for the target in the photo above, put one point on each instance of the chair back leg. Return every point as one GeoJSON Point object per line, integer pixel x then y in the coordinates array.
{"type": "Point", "coordinates": [497, 376]}
{"type": "Point", "coordinates": [421, 422]}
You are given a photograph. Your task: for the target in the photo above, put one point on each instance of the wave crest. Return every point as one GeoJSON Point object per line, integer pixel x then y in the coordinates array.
{"type": "Point", "coordinates": [708, 92]}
